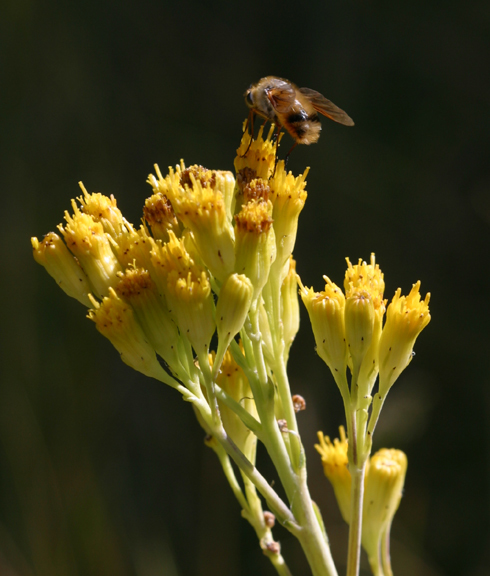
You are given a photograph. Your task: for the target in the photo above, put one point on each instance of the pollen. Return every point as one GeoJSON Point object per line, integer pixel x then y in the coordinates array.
{"type": "Point", "coordinates": [254, 217]}
{"type": "Point", "coordinates": [160, 215]}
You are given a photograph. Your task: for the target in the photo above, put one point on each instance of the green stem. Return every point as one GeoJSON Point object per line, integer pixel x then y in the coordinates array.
{"type": "Point", "coordinates": [355, 525]}
{"type": "Point", "coordinates": [230, 476]}
{"type": "Point", "coordinates": [378, 402]}
{"type": "Point", "coordinates": [255, 516]}
{"type": "Point", "coordinates": [279, 508]}
{"type": "Point", "coordinates": [250, 422]}
{"type": "Point", "coordinates": [312, 538]}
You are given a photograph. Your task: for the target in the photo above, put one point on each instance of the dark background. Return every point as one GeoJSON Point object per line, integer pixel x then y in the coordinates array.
{"type": "Point", "coordinates": [104, 472]}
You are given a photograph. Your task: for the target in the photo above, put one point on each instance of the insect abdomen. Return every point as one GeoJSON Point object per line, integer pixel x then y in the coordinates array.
{"type": "Point", "coordinates": [304, 127]}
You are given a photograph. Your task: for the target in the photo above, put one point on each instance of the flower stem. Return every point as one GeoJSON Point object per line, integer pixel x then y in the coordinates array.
{"type": "Point", "coordinates": [355, 525]}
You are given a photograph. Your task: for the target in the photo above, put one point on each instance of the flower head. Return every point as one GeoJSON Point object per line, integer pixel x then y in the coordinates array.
{"type": "Point", "coordinates": [60, 263]}
{"type": "Point", "coordinates": [115, 320]}
{"type": "Point", "coordinates": [385, 478]}
{"type": "Point", "coordinates": [256, 158]}
{"type": "Point", "coordinates": [202, 200]}
{"type": "Point", "coordinates": [406, 317]}
{"type": "Point", "coordinates": [326, 311]}
{"type": "Point", "coordinates": [364, 287]}
{"type": "Point", "coordinates": [255, 243]}
{"type": "Point", "coordinates": [137, 287]}
{"type": "Point", "coordinates": [336, 468]}
{"type": "Point", "coordinates": [161, 217]}
{"type": "Point", "coordinates": [89, 243]}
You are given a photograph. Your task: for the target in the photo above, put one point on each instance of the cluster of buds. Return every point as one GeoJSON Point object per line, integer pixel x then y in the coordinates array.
{"type": "Point", "coordinates": [383, 487]}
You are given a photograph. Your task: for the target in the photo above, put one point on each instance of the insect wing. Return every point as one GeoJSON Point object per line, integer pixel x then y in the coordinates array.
{"type": "Point", "coordinates": [327, 108]}
{"type": "Point", "coordinates": [281, 98]}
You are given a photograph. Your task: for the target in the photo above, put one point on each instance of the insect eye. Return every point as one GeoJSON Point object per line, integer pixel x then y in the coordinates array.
{"type": "Point", "coordinates": [248, 98]}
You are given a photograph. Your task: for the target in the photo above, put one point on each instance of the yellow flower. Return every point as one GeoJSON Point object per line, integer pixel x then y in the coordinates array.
{"type": "Point", "coordinates": [255, 243]}
{"type": "Point", "coordinates": [326, 311]}
{"type": "Point", "coordinates": [233, 304]}
{"type": "Point", "coordinates": [187, 289]}
{"type": "Point", "coordinates": [365, 276]}
{"type": "Point", "coordinates": [161, 217]}
{"type": "Point", "coordinates": [288, 197]}
{"type": "Point", "coordinates": [202, 201]}
{"type": "Point", "coordinates": [140, 291]}
{"type": "Point", "coordinates": [60, 263]}
{"type": "Point", "coordinates": [385, 478]}
{"type": "Point", "coordinates": [102, 209]}
{"type": "Point", "coordinates": [364, 287]}
{"type": "Point", "coordinates": [406, 317]}
{"type": "Point", "coordinates": [260, 157]}
{"type": "Point", "coordinates": [383, 486]}
{"type": "Point", "coordinates": [88, 241]}
{"type": "Point", "coordinates": [290, 307]}
{"type": "Point", "coordinates": [133, 247]}
{"type": "Point", "coordinates": [336, 468]}
{"type": "Point", "coordinates": [115, 320]}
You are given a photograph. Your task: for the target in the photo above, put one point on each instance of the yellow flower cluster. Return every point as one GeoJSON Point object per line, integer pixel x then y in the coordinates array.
{"type": "Point", "coordinates": [383, 487]}
{"type": "Point", "coordinates": [198, 264]}
{"type": "Point", "coordinates": [349, 330]}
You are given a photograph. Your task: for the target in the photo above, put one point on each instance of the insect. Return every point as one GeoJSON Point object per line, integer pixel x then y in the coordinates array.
{"type": "Point", "coordinates": [295, 109]}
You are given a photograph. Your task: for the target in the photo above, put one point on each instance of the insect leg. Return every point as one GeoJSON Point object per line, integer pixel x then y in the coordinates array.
{"type": "Point", "coordinates": [278, 131]}
{"type": "Point", "coordinates": [288, 154]}
{"type": "Point", "coordinates": [250, 123]}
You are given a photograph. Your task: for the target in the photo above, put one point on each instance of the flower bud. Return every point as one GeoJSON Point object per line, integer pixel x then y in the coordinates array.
{"type": "Point", "coordinates": [60, 263]}
{"type": "Point", "coordinates": [359, 326]}
{"type": "Point", "coordinates": [115, 320]}
{"type": "Point", "coordinates": [233, 304]}
{"type": "Point", "coordinates": [290, 307]}
{"type": "Point", "coordinates": [384, 482]}
{"type": "Point", "coordinates": [326, 311]}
